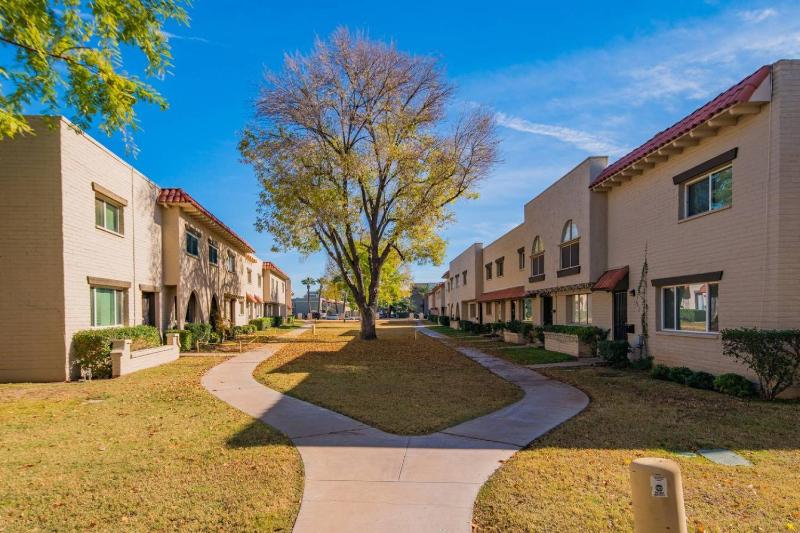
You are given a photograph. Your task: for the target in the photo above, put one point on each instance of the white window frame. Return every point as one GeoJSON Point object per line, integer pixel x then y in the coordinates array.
{"type": "Point", "coordinates": [196, 234]}
{"type": "Point", "coordinates": [676, 310]}
{"type": "Point", "coordinates": [212, 244]}
{"type": "Point", "coordinates": [706, 176]}
{"type": "Point", "coordinates": [120, 212]}
{"type": "Point", "coordinates": [119, 307]}
{"type": "Point", "coordinates": [230, 262]}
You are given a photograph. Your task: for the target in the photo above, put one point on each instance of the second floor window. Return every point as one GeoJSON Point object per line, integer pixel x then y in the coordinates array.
{"type": "Point", "coordinates": [464, 277]}
{"type": "Point", "coordinates": [499, 266]}
{"type": "Point", "coordinates": [488, 271]}
{"type": "Point", "coordinates": [537, 257]}
{"type": "Point", "coordinates": [192, 242]}
{"type": "Point", "coordinates": [521, 258]}
{"type": "Point", "coordinates": [457, 276]}
{"type": "Point", "coordinates": [709, 193]}
{"type": "Point", "coordinates": [230, 262]}
{"type": "Point", "coordinates": [249, 276]}
{"type": "Point", "coordinates": [570, 246]}
{"type": "Point", "coordinates": [107, 215]}
{"type": "Point", "coordinates": [213, 252]}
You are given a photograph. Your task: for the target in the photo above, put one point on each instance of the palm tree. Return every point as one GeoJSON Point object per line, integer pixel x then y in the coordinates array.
{"type": "Point", "coordinates": [308, 282]}
{"type": "Point", "coordinates": [320, 282]}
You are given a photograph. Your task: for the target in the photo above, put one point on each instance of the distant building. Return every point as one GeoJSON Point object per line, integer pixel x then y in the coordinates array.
{"type": "Point", "coordinates": [300, 304]}
{"type": "Point", "coordinates": [419, 300]}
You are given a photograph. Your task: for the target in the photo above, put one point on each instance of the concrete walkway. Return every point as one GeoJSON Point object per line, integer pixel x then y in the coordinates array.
{"type": "Point", "coordinates": [358, 478]}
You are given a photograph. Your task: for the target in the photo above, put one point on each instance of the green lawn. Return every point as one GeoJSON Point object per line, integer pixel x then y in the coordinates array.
{"type": "Point", "coordinates": [399, 383]}
{"type": "Point", "coordinates": [146, 452]}
{"type": "Point", "coordinates": [529, 355]}
{"type": "Point", "coordinates": [576, 478]}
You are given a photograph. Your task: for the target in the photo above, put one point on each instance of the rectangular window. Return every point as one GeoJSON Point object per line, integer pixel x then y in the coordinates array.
{"type": "Point", "coordinates": [213, 252]}
{"type": "Point", "coordinates": [527, 309]}
{"type": "Point", "coordinates": [691, 307]}
{"type": "Point", "coordinates": [499, 267]}
{"type": "Point", "coordinates": [578, 309]}
{"type": "Point", "coordinates": [230, 262]}
{"type": "Point", "coordinates": [488, 271]}
{"type": "Point", "coordinates": [570, 255]}
{"type": "Point", "coordinates": [521, 258]}
{"type": "Point", "coordinates": [107, 306]}
{"type": "Point", "coordinates": [464, 277]}
{"type": "Point", "coordinates": [537, 265]}
{"type": "Point", "coordinates": [488, 309]}
{"type": "Point", "coordinates": [709, 193]}
{"type": "Point", "coordinates": [259, 280]}
{"type": "Point", "coordinates": [107, 215]}
{"type": "Point", "coordinates": [192, 242]}
{"type": "Point", "coordinates": [472, 310]}
{"type": "Point", "coordinates": [457, 276]}
{"type": "Point", "coordinates": [249, 276]}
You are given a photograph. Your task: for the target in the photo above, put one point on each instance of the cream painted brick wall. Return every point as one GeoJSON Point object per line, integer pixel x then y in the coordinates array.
{"type": "Point", "coordinates": [31, 289]}
{"type": "Point", "coordinates": [468, 261]}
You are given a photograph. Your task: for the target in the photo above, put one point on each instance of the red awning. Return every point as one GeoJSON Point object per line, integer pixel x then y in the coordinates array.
{"type": "Point", "coordinates": [611, 280]}
{"type": "Point", "coordinates": [503, 294]}
{"type": "Point", "coordinates": [251, 299]}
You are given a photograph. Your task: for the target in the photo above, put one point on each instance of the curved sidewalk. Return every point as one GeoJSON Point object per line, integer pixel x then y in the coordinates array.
{"type": "Point", "coordinates": [358, 478]}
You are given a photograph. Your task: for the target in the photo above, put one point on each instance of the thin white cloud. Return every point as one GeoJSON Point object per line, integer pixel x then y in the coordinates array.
{"type": "Point", "coordinates": [583, 140]}
{"type": "Point", "coordinates": [172, 36]}
{"type": "Point", "coordinates": [757, 15]}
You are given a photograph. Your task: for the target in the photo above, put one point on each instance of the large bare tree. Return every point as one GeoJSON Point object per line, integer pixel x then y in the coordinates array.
{"type": "Point", "coordinates": [349, 145]}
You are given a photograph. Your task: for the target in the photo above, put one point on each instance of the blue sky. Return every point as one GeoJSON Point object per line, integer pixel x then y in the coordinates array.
{"type": "Point", "coordinates": [567, 80]}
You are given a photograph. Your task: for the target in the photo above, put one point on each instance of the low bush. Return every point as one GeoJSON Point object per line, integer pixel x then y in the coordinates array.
{"type": "Point", "coordinates": [92, 347]}
{"type": "Point", "coordinates": [537, 333]}
{"type": "Point", "coordinates": [642, 363]}
{"type": "Point", "coordinates": [184, 338]}
{"type": "Point", "coordinates": [680, 374]}
{"type": "Point", "coordinates": [615, 353]}
{"type": "Point", "coordinates": [701, 380]}
{"type": "Point", "coordinates": [444, 321]}
{"type": "Point", "coordinates": [735, 385]}
{"type": "Point", "coordinates": [248, 329]}
{"type": "Point", "coordinates": [466, 325]}
{"type": "Point", "coordinates": [262, 323]}
{"type": "Point", "coordinates": [200, 332]}
{"type": "Point", "coordinates": [289, 320]}
{"type": "Point", "coordinates": [277, 321]}
{"type": "Point", "coordinates": [660, 372]}
{"type": "Point", "coordinates": [773, 355]}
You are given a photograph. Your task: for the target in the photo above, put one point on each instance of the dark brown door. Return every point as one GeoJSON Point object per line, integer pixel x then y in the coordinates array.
{"type": "Point", "coordinates": [149, 308]}
{"type": "Point", "coordinates": [547, 310]}
{"type": "Point", "coordinates": [620, 315]}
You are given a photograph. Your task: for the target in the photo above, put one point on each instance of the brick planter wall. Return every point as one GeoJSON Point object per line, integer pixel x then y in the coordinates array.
{"type": "Point", "coordinates": [513, 338]}
{"type": "Point", "coordinates": [124, 361]}
{"type": "Point", "coordinates": [568, 344]}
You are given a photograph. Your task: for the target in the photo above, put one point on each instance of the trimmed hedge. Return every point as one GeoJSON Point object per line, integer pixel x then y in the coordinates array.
{"type": "Point", "coordinates": [735, 385]}
{"type": "Point", "coordinates": [200, 332]}
{"type": "Point", "coordinates": [588, 334]}
{"type": "Point", "coordinates": [732, 384]}
{"type": "Point", "coordinates": [615, 353]}
{"type": "Point", "coordinates": [261, 323]}
{"type": "Point", "coordinates": [92, 347]}
{"type": "Point", "coordinates": [680, 374]}
{"type": "Point", "coordinates": [701, 380]}
{"type": "Point", "coordinates": [660, 372]}
{"type": "Point", "coordinates": [184, 338]}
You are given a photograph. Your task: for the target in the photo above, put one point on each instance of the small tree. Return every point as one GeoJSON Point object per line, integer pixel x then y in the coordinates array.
{"type": "Point", "coordinates": [349, 148]}
{"type": "Point", "coordinates": [773, 355]}
{"type": "Point", "coordinates": [68, 55]}
{"type": "Point", "coordinates": [308, 282]}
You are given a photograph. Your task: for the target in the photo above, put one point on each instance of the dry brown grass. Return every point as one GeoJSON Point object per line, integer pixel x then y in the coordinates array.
{"type": "Point", "coordinates": [146, 452]}
{"type": "Point", "coordinates": [576, 477]}
{"type": "Point", "coordinates": [396, 383]}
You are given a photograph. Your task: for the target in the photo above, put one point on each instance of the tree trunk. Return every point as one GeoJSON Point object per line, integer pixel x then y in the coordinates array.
{"type": "Point", "coordinates": [368, 318]}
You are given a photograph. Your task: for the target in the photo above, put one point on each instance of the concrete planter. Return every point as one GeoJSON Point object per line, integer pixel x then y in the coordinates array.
{"type": "Point", "coordinates": [125, 361]}
{"type": "Point", "coordinates": [514, 338]}
{"type": "Point", "coordinates": [568, 344]}
{"type": "Point", "coordinates": [455, 324]}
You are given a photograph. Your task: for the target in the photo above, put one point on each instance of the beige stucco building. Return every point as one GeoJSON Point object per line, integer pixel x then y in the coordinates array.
{"type": "Point", "coordinates": [88, 241]}
{"type": "Point", "coordinates": [715, 202]}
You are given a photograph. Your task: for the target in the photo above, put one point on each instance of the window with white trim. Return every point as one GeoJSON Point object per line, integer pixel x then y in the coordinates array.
{"type": "Point", "coordinates": [710, 192]}
{"type": "Point", "coordinates": [230, 262]}
{"type": "Point", "coordinates": [690, 307]}
{"type": "Point", "coordinates": [107, 306]}
{"type": "Point", "coordinates": [578, 309]}
{"type": "Point", "coordinates": [192, 244]}
{"type": "Point", "coordinates": [107, 215]}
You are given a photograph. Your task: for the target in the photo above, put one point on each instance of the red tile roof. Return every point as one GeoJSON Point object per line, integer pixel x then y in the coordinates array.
{"type": "Point", "coordinates": [272, 266]}
{"type": "Point", "coordinates": [610, 279]}
{"type": "Point", "coordinates": [738, 94]}
{"type": "Point", "coordinates": [176, 196]}
{"type": "Point", "coordinates": [502, 294]}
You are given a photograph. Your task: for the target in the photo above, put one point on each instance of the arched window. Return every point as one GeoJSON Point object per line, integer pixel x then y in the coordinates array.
{"type": "Point", "coordinates": [570, 232]}
{"type": "Point", "coordinates": [570, 249]}
{"type": "Point", "coordinates": [192, 310]}
{"type": "Point", "coordinates": [537, 260]}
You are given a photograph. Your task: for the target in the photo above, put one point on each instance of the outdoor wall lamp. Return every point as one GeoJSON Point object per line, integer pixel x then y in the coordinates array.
{"type": "Point", "coordinates": [633, 292]}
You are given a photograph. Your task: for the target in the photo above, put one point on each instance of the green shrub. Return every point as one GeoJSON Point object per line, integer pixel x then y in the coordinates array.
{"type": "Point", "coordinates": [701, 380]}
{"type": "Point", "coordinates": [444, 321]}
{"type": "Point", "coordinates": [200, 332]}
{"type": "Point", "coordinates": [92, 347]}
{"type": "Point", "coordinates": [614, 352]}
{"type": "Point", "coordinates": [680, 374]}
{"type": "Point", "coordinates": [277, 321]}
{"type": "Point", "coordinates": [289, 319]}
{"type": "Point", "coordinates": [587, 334]}
{"type": "Point", "coordinates": [773, 355]}
{"type": "Point", "coordinates": [735, 385]}
{"type": "Point", "coordinates": [465, 325]}
{"type": "Point", "coordinates": [642, 363]}
{"type": "Point", "coordinates": [261, 323]}
{"type": "Point", "coordinates": [537, 333]}
{"type": "Point", "coordinates": [214, 337]}
{"type": "Point", "coordinates": [660, 372]}
{"type": "Point", "coordinates": [184, 338]}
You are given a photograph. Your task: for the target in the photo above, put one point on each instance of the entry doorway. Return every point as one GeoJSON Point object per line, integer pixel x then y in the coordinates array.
{"type": "Point", "coordinates": [547, 310]}
{"type": "Point", "coordinates": [149, 308]}
{"type": "Point", "coordinates": [620, 315]}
